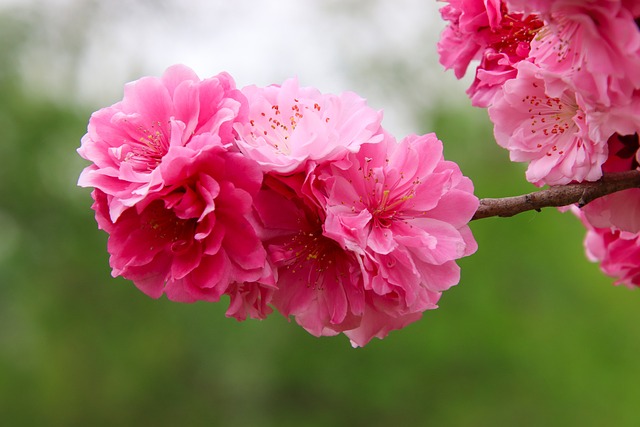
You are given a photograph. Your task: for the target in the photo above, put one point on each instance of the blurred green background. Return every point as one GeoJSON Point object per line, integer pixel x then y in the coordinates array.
{"type": "Point", "coordinates": [533, 335]}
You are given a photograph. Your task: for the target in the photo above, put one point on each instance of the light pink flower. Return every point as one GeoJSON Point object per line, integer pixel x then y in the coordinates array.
{"type": "Point", "coordinates": [404, 210]}
{"type": "Point", "coordinates": [402, 197]}
{"type": "Point", "coordinates": [192, 240]}
{"type": "Point", "coordinates": [129, 140]}
{"type": "Point", "coordinates": [622, 118]}
{"type": "Point", "coordinates": [488, 32]}
{"type": "Point", "coordinates": [595, 44]}
{"type": "Point", "coordinates": [365, 244]}
{"type": "Point", "coordinates": [617, 251]}
{"type": "Point", "coordinates": [289, 125]}
{"type": "Point", "coordinates": [541, 120]}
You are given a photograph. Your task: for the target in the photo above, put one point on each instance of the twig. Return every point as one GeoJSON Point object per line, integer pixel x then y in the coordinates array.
{"type": "Point", "coordinates": [560, 195]}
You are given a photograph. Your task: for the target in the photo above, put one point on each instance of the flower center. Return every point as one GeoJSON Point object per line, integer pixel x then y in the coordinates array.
{"type": "Point", "coordinates": [557, 43]}
{"type": "Point", "coordinates": [310, 254]}
{"type": "Point", "coordinates": [514, 34]}
{"type": "Point", "coordinates": [166, 228]}
{"type": "Point", "coordinates": [388, 210]}
{"type": "Point", "coordinates": [147, 151]}
{"type": "Point", "coordinates": [554, 117]}
{"type": "Point", "coordinates": [276, 125]}
{"type": "Point", "coordinates": [386, 203]}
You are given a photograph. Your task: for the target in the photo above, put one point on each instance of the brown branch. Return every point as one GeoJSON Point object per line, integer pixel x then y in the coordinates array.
{"type": "Point", "coordinates": [560, 195]}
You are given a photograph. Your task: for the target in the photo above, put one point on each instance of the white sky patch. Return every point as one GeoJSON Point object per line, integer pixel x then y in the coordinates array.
{"type": "Point", "coordinates": [257, 42]}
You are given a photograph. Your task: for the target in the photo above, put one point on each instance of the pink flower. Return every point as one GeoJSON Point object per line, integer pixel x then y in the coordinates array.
{"type": "Point", "coordinates": [319, 282]}
{"type": "Point", "coordinates": [530, 6]}
{"type": "Point", "coordinates": [461, 41]}
{"type": "Point", "coordinates": [622, 118]}
{"type": "Point", "coordinates": [249, 299]}
{"type": "Point", "coordinates": [129, 140]}
{"type": "Point", "coordinates": [541, 120]}
{"type": "Point", "coordinates": [593, 43]}
{"type": "Point", "coordinates": [365, 244]}
{"type": "Point", "coordinates": [623, 153]}
{"type": "Point", "coordinates": [620, 210]}
{"type": "Point", "coordinates": [632, 6]}
{"type": "Point", "coordinates": [406, 218]}
{"type": "Point", "coordinates": [617, 251]}
{"type": "Point", "coordinates": [382, 201]}
{"type": "Point", "coordinates": [191, 240]}
{"type": "Point", "coordinates": [485, 31]}
{"type": "Point", "coordinates": [380, 317]}
{"type": "Point", "coordinates": [289, 125]}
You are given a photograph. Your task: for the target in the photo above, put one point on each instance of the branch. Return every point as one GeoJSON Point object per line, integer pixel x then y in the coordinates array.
{"type": "Point", "coordinates": [559, 195]}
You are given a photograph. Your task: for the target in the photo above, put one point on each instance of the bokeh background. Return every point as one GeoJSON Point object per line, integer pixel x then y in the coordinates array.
{"type": "Point", "coordinates": [533, 335]}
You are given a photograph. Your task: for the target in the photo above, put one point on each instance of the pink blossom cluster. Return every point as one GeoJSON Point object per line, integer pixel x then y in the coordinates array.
{"type": "Point", "coordinates": [559, 77]}
{"type": "Point", "coordinates": [561, 82]}
{"type": "Point", "coordinates": [277, 196]}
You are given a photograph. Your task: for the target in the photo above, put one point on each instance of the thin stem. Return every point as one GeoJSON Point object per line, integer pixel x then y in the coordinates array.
{"type": "Point", "coordinates": [560, 195]}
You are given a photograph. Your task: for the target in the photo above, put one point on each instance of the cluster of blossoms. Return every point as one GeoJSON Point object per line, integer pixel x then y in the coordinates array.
{"type": "Point", "coordinates": [278, 197]}
{"type": "Point", "coordinates": [561, 81]}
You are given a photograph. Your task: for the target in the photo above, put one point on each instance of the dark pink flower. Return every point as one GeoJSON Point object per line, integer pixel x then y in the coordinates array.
{"type": "Point", "coordinates": [289, 125]}
{"type": "Point", "coordinates": [319, 282]}
{"type": "Point", "coordinates": [633, 6]}
{"type": "Point", "coordinates": [249, 300]}
{"type": "Point", "coordinates": [617, 251]}
{"type": "Point", "coordinates": [129, 140]}
{"type": "Point", "coordinates": [192, 239]}
{"type": "Point", "coordinates": [488, 32]}
{"type": "Point", "coordinates": [620, 210]}
{"type": "Point", "coordinates": [623, 153]}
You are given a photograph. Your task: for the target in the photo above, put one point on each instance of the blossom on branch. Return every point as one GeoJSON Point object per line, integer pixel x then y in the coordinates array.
{"type": "Point", "coordinates": [129, 141]}
{"type": "Point", "coordinates": [191, 240]}
{"type": "Point", "coordinates": [620, 210]}
{"type": "Point", "coordinates": [363, 245]}
{"type": "Point", "coordinates": [618, 252]}
{"type": "Point", "coordinates": [319, 282]}
{"type": "Point", "coordinates": [547, 128]}
{"type": "Point", "coordinates": [560, 79]}
{"type": "Point", "coordinates": [289, 125]}
{"type": "Point", "coordinates": [404, 211]}
{"type": "Point", "coordinates": [485, 31]}
{"type": "Point", "coordinates": [573, 82]}
{"type": "Point", "coordinates": [278, 197]}
{"type": "Point", "coordinates": [595, 44]}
